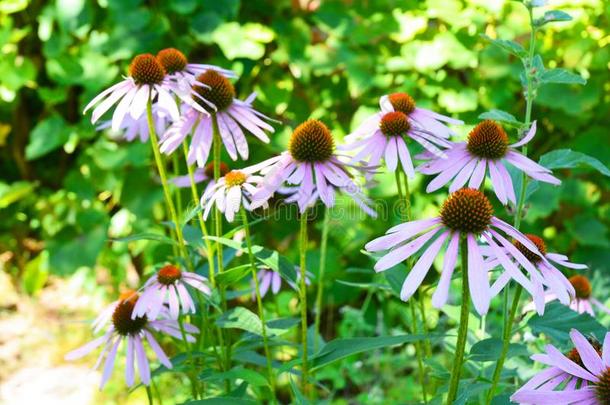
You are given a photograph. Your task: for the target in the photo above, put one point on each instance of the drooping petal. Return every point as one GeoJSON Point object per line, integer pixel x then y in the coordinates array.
{"type": "Point", "coordinates": [440, 296]}
{"type": "Point", "coordinates": [401, 253]}
{"type": "Point", "coordinates": [589, 356]}
{"type": "Point", "coordinates": [477, 277]}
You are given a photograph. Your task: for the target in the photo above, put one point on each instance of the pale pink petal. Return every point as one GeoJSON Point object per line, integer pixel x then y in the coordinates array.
{"type": "Point", "coordinates": [440, 296]}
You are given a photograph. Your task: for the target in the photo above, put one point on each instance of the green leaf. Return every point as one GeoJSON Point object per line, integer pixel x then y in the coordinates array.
{"type": "Point", "coordinates": [243, 318]}
{"type": "Point", "coordinates": [553, 16]}
{"type": "Point", "coordinates": [233, 275]}
{"type": "Point", "coordinates": [340, 348]}
{"type": "Point", "coordinates": [146, 236]}
{"type": "Point", "coordinates": [490, 350]}
{"type": "Point", "coordinates": [569, 159]}
{"type": "Point", "coordinates": [10, 194]}
{"type": "Point", "coordinates": [48, 135]}
{"type": "Point", "coordinates": [560, 75]}
{"type": "Point", "coordinates": [250, 376]}
{"type": "Point", "coordinates": [222, 401]}
{"type": "Point", "coordinates": [243, 41]}
{"type": "Point", "coordinates": [559, 319]}
{"type": "Point", "coordinates": [502, 116]}
{"type": "Point", "coordinates": [508, 46]}
{"type": "Point", "coordinates": [36, 273]}
{"type": "Point", "coordinates": [269, 258]}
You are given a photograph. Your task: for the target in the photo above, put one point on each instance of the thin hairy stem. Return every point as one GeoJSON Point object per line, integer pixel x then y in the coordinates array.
{"type": "Point", "coordinates": [322, 270]}
{"type": "Point", "coordinates": [303, 299]}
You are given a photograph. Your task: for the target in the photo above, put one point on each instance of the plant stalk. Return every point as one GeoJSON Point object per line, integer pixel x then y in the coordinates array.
{"type": "Point", "coordinates": [303, 299]}
{"type": "Point", "coordinates": [322, 270]}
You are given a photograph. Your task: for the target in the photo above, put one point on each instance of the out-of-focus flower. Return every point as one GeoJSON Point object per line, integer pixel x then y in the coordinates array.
{"type": "Point", "coordinates": [169, 286]}
{"type": "Point", "coordinates": [487, 150]}
{"type": "Point", "coordinates": [384, 135]}
{"type": "Point", "coordinates": [216, 95]}
{"type": "Point", "coordinates": [270, 280]}
{"type": "Point", "coordinates": [466, 214]}
{"type": "Point", "coordinates": [580, 377]}
{"type": "Point", "coordinates": [131, 128]}
{"type": "Point", "coordinates": [133, 332]}
{"type": "Point", "coordinates": [310, 164]}
{"type": "Point", "coordinates": [557, 285]}
{"type": "Point", "coordinates": [230, 193]}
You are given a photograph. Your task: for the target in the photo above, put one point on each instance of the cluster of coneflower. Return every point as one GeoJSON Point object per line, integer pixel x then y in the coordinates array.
{"type": "Point", "coordinates": [195, 110]}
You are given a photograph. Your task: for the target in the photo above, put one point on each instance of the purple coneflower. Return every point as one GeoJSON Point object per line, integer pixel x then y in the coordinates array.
{"type": "Point", "coordinates": [178, 68]}
{"type": "Point", "coordinates": [216, 95]}
{"type": "Point", "coordinates": [557, 284]}
{"type": "Point", "coordinates": [131, 128]}
{"type": "Point", "coordinates": [230, 193]}
{"type": "Point", "coordinates": [384, 134]}
{"type": "Point", "coordinates": [146, 81]}
{"type": "Point", "coordinates": [311, 164]}
{"type": "Point", "coordinates": [169, 286]}
{"type": "Point", "coordinates": [580, 377]}
{"type": "Point", "coordinates": [133, 331]}
{"type": "Point", "coordinates": [466, 214]}
{"type": "Point", "coordinates": [270, 280]}
{"type": "Point", "coordinates": [487, 150]}
{"type": "Point", "coordinates": [200, 175]}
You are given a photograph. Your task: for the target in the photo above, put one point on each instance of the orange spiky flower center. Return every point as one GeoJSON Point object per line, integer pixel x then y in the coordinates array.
{"type": "Point", "coordinates": [172, 60]}
{"type": "Point", "coordinates": [218, 90]}
{"type": "Point", "coordinates": [602, 387]}
{"type": "Point", "coordinates": [121, 317]}
{"type": "Point", "coordinates": [209, 169]}
{"type": "Point", "coordinates": [582, 286]}
{"type": "Point", "coordinates": [235, 178]}
{"type": "Point", "coordinates": [467, 210]}
{"type": "Point", "coordinates": [402, 102]}
{"type": "Point", "coordinates": [145, 69]}
{"type": "Point", "coordinates": [488, 140]}
{"type": "Point", "coordinates": [529, 255]}
{"type": "Point", "coordinates": [394, 123]}
{"type": "Point", "coordinates": [575, 356]}
{"type": "Point", "coordinates": [311, 142]}
{"type": "Point", "coordinates": [169, 274]}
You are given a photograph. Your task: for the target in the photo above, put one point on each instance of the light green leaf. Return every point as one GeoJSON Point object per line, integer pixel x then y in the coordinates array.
{"type": "Point", "coordinates": [502, 116]}
{"type": "Point", "coordinates": [14, 192]}
{"type": "Point", "coordinates": [250, 376]}
{"type": "Point", "coordinates": [569, 159]}
{"type": "Point", "coordinates": [243, 41]}
{"type": "Point", "coordinates": [243, 318]}
{"type": "Point", "coordinates": [508, 46]}
{"type": "Point", "coordinates": [553, 16]}
{"type": "Point", "coordinates": [146, 236]}
{"type": "Point", "coordinates": [563, 76]}
{"type": "Point", "coordinates": [36, 273]}
{"type": "Point", "coordinates": [48, 135]}
{"type": "Point", "coordinates": [559, 319]}
{"type": "Point", "coordinates": [233, 275]}
{"type": "Point", "coordinates": [222, 401]}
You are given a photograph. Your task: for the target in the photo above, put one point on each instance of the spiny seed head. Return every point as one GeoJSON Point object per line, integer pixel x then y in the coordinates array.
{"type": "Point", "coordinates": [402, 102]}
{"type": "Point", "coordinates": [169, 274]}
{"type": "Point", "coordinates": [311, 142]}
{"type": "Point", "coordinates": [209, 169]}
{"type": "Point", "coordinates": [235, 178]}
{"type": "Point", "coordinates": [602, 388]}
{"type": "Point", "coordinates": [582, 286]}
{"type": "Point", "coordinates": [394, 123]}
{"type": "Point", "coordinates": [145, 69]}
{"type": "Point", "coordinates": [531, 256]}
{"type": "Point", "coordinates": [121, 318]}
{"type": "Point", "coordinates": [172, 60]}
{"type": "Point", "coordinates": [467, 210]}
{"type": "Point", "coordinates": [220, 91]}
{"type": "Point", "coordinates": [575, 356]}
{"type": "Point", "coordinates": [488, 140]}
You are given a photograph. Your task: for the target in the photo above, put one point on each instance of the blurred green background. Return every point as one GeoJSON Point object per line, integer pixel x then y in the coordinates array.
{"type": "Point", "coordinates": [66, 190]}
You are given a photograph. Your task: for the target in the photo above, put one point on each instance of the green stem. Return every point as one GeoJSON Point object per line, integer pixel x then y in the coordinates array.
{"type": "Point", "coordinates": [303, 299]}
{"type": "Point", "coordinates": [149, 395]}
{"type": "Point", "coordinates": [189, 353]}
{"type": "Point", "coordinates": [322, 270]}
{"type": "Point", "coordinates": [463, 329]}
{"type": "Point", "coordinates": [406, 198]}
{"type": "Point", "coordinates": [217, 145]}
{"type": "Point", "coordinates": [259, 301]}
{"type": "Point", "coordinates": [529, 102]}
{"type": "Point", "coordinates": [161, 168]}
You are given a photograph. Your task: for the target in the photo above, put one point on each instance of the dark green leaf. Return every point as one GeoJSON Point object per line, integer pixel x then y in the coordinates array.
{"type": "Point", "coordinates": [560, 76]}
{"type": "Point", "coordinates": [48, 135]}
{"type": "Point", "coordinates": [559, 319]}
{"type": "Point", "coordinates": [569, 159]}
{"type": "Point", "coordinates": [147, 236]}
{"type": "Point", "coordinates": [553, 16]}
{"type": "Point", "coordinates": [490, 350]}
{"type": "Point", "coordinates": [502, 116]}
{"type": "Point", "coordinates": [508, 46]}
